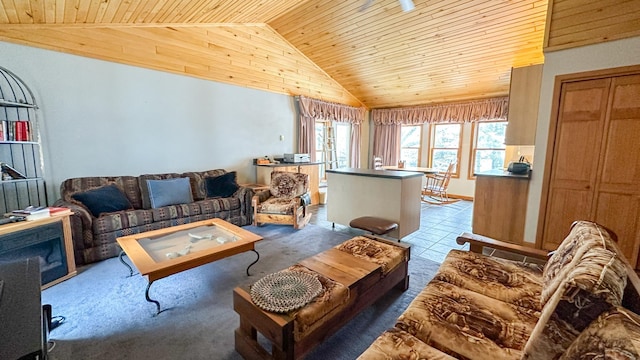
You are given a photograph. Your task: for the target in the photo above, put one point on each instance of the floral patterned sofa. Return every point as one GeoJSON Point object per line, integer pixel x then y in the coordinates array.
{"type": "Point", "coordinates": [94, 237]}
{"type": "Point", "coordinates": [576, 306]}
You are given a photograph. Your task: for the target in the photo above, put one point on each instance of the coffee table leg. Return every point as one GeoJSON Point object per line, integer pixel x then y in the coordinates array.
{"type": "Point", "coordinates": [121, 257]}
{"type": "Point", "coordinates": [146, 295]}
{"type": "Point", "coordinates": [254, 261]}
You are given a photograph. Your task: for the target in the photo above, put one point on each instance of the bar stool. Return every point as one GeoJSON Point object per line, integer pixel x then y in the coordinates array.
{"type": "Point", "coordinates": [374, 225]}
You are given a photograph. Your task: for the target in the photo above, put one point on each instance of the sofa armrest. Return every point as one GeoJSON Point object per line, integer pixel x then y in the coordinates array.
{"type": "Point", "coordinates": [478, 242]}
{"type": "Point", "coordinates": [78, 210]}
{"type": "Point", "coordinates": [81, 228]}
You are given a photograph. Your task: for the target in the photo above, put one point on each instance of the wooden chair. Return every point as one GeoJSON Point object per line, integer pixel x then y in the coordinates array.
{"type": "Point", "coordinates": [435, 189]}
{"type": "Point", "coordinates": [285, 202]}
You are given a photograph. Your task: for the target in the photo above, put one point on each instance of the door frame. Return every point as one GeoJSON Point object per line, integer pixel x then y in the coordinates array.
{"type": "Point", "coordinates": [553, 124]}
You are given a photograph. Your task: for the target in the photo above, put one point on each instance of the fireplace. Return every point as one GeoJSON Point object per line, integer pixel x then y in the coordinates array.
{"type": "Point", "coordinates": [46, 243]}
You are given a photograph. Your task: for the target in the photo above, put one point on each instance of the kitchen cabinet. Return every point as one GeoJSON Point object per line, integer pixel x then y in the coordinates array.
{"type": "Point", "coordinates": [524, 96]}
{"type": "Point", "coordinates": [500, 205]}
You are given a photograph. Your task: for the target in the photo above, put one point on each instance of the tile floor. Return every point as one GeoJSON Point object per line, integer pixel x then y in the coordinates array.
{"type": "Point", "coordinates": [439, 227]}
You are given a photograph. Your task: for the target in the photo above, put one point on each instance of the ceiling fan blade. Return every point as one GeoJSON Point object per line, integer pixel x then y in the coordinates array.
{"type": "Point", "coordinates": [407, 5]}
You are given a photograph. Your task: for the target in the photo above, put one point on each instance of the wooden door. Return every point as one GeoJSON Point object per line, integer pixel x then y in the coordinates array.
{"type": "Point", "coordinates": [617, 193]}
{"type": "Point", "coordinates": [595, 164]}
{"type": "Point", "coordinates": [579, 128]}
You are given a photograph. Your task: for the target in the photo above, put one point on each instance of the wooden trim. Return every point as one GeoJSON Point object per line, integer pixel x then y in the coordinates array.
{"type": "Point", "coordinates": [478, 242]}
{"type": "Point", "coordinates": [547, 28]}
{"type": "Point", "coordinates": [553, 123]}
{"type": "Point", "coordinates": [472, 146]}
{"type": "Point", "coordinates": [461, 197]}
{"type": "Point", "coordinates": [546, 174]}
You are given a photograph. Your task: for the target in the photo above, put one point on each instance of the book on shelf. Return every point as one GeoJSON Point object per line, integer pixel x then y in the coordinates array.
{"type": "Point", "coordinates": [15, 130]}
{"type": "Point", "coordinates": [22, 131]}
{"type": "Point", "coordinates": [3, 131]}
{"type": "Point", "coordinates": [57, 211]}
{"type": "Point", "coordinates": [31, 213]}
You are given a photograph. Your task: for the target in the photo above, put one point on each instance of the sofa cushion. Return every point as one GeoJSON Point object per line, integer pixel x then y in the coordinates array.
{"type": "Point", "coordinates": [221, 186]}
{"type": "Point", "coordinates": [589, 257]}
{"type": "Point", "coordinates": [176, 211]}
{"type": "Point", "coordinates": [169, 192]}
{"type": "Point", "coordinates": [128, 184]}
{"type": "Point", "coordinates": [584, 278]}
{"type": "Point", "coordinates": [216, 205]}
{"type": "Point", "coordinates": [144, 188]}
{"type": "Point", "coordinates": [288, 185]}
{"type": "Point", "coordinates": [385, 255]}
{"type": "Point", "coordinates": [198, 186]}
{"type": "Point", "coordinates": [122, 220]}
{"type": "Point", "coordinates": [397, 344]}
{"type": "Point", "coordinates": [332, 299]}
{"type": "Point", "coordinates": [281, 206]}
{"type": "Point", "coordinates": [103, 199]}
{"type": "Point", "coordinates": [468, 324]}
{"type": "Point", "coordinates": [509, 281]}
{"type": "Point", "coordinates": [614, 335]}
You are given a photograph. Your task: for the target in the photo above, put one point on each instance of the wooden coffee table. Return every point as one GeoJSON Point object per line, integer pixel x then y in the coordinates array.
{"type": "Point", "coordinates": [160, 253]}
{"type": "Point", "coordinates": [366, 284]}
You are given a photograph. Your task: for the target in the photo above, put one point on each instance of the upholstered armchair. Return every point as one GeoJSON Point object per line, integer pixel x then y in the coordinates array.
{"type": "Point", "coordinates": [285, 202]}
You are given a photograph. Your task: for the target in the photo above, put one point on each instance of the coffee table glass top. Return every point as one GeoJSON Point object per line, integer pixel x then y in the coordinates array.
{"type": "Point", "coordinates": [162, 252]}
{"type": "Point", "coordinates": [166, 247]}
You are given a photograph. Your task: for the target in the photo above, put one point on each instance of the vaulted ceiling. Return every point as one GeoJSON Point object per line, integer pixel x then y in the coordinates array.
{"type": "Point", "coordinates": [357, 52]}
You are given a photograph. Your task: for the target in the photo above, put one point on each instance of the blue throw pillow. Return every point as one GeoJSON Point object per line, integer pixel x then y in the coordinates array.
{"type": "Point", "coordinates": [104, 199]}
{"type": "Point", "coordinates": [169, 192]}
{"type": "Point", "coordinates": [221, 186]}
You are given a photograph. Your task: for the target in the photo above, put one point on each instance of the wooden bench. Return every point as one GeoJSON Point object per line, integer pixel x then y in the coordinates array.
{"type": "Point", "coordinates": [366, 281]}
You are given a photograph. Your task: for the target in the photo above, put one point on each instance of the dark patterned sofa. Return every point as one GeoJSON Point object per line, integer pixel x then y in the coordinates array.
{"type": "Point", "coordinates": [94, 238]}
{"type": "Point", "coordinates": [576, 306]}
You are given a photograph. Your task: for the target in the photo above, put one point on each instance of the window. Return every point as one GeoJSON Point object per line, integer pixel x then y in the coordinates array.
{"type": "Point", "coordinates": [410, 140]}
{"type": "Point", "coordinates": [488, 147]}
{"type": "Point", "coordinates": [343, 140]}
{"type": "Point", "coordinates": [332, 145]}
{"type": "Point", "coordinates": [446, 140]}
{"type": "Point", "coordinates": [320, 147]}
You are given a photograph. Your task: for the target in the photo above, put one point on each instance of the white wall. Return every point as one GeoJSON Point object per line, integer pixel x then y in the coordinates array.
{"type": "Point", "coordinates": [593, 57]}
{"type": "Point", "coordinates": [100, 118]}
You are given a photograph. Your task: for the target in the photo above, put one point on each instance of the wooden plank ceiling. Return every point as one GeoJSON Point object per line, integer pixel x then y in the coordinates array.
{"type": "Point", "coordinates": [357, 52]}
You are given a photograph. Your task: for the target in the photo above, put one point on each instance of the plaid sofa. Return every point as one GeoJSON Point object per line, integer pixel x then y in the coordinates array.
{"type": "Point", "coordinates": [94, 238]}
{"type": "Point", "coordinates": [481, 307]}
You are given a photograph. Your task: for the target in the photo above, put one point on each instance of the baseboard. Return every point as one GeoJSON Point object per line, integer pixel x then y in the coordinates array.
{"type": "Point", "coordinates": [461, 197]}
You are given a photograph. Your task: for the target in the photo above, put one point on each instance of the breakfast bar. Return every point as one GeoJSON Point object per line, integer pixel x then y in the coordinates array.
{"type": "Point", "coordinates": [390, 195]}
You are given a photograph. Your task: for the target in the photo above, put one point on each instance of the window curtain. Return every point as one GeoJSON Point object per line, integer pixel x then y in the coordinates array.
{"type": "Point", "coordinates": [312, 110]}
{"type": "Point", "coordinates": [471, 111]}
{"type": "Point", "coordinates": [386, 143]}
{"type": "Point", "coordinates": [388, 122]}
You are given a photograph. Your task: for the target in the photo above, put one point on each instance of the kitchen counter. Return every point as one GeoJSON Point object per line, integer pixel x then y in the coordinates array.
{"type": "Point", "coordinates": [389, 174]}
{"type": "Point", "coordinates": [391, 195]}
{"type": "Point", "coordinates": [500, 205]}
{"type": "Point", "coordinates": [504, 173]}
